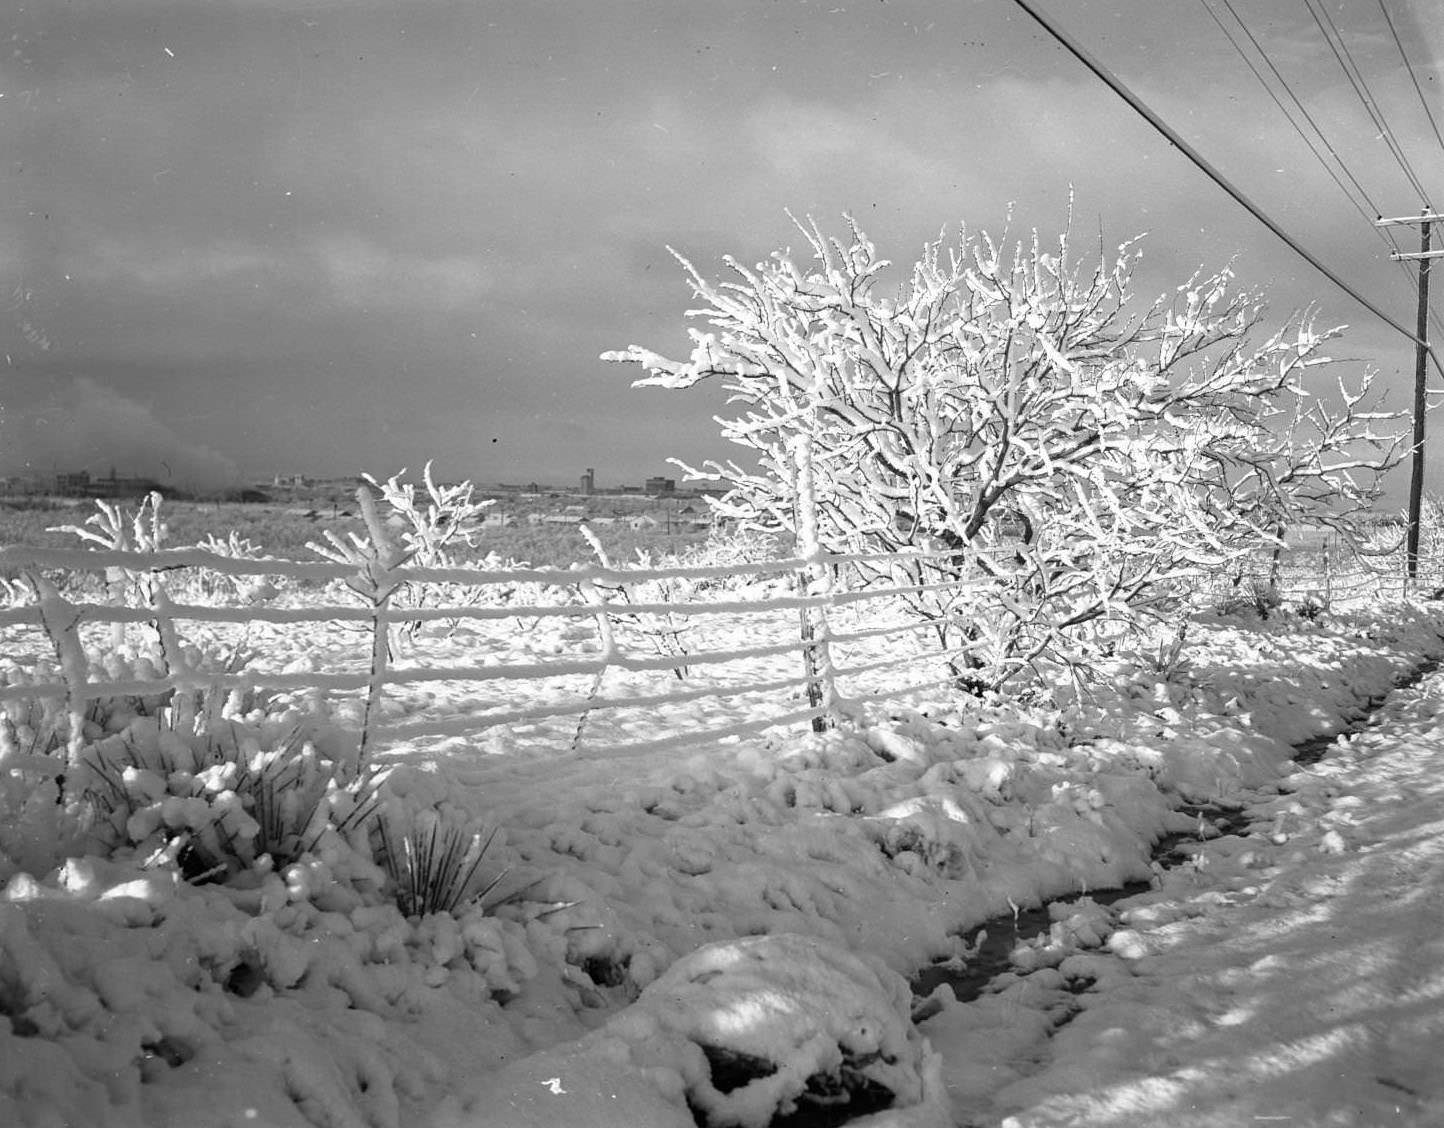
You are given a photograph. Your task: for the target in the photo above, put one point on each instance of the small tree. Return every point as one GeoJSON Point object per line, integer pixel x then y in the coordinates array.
{"type": "Point", "coordinates": [433, 529]}
{"type": "Point", "coordinates": [1055, 464]}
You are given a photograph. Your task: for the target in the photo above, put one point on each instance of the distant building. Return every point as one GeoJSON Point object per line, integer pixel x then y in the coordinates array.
{"type": "Point", "coordinates": [72, 485]}
{"type": "Point", "coordinates": [655, 486]}
{"type": "Point", "coordinates": [81, 484]}
{"type": "Point", "coordinates": [589, 481]}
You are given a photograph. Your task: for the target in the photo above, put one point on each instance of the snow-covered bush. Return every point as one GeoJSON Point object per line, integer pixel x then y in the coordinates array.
{"type": "Point", "coordinates": [211, 585]}
{"type": "Point", "coordinates": [665, 633]}
{"type": "Point", "coordinates": [114, 529]}
{"type": "Point", "coordinates": [220, 802]}
{"type": "Point", "coordinates": [734, 548]}
{"type": "Point", "coordinates": [431, 856]}
{"type": "Point", "coordinates": [433, 529]}
{"type": "Point", "coordinates": [1058, 464]}
{"type": "Point", "coordinates": [204, 783]}
{"type": "Point", "coordinates": [760, 1029]}
{"type": "Point", "coordinates": [1253, 594]}
{"type": "Point", "coordinates": [42, 724]}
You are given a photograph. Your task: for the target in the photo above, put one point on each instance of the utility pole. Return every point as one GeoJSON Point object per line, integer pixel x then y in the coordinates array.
{"type": "Point", "coordinates": [1421, 352]}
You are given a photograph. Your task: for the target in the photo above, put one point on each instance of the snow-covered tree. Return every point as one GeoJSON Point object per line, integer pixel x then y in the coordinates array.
{"type": "Point", "coordinates": [1057, 464]}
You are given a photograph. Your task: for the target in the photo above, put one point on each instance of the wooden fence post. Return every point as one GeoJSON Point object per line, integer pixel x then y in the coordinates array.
{"type": "Point", "coordinates": [813, 580]}
{"type": "Point", "coordinates": [1276, 563]}
{"type": "Point", "coordinates": [60, 618]}
{"type": "Point", "coordinates": [376, 585]}
{"type": "Point", "coordinates": [605, 635]}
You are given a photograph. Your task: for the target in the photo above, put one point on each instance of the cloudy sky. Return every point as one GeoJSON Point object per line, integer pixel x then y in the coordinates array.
{"type": "Point", "coordinates": [242, 237]}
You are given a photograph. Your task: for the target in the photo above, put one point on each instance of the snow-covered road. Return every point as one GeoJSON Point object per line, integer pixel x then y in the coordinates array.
{"type": "Point", "coordinates": [1293, 976]}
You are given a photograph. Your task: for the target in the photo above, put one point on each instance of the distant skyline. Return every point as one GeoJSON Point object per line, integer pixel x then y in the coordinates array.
{"type": "Point", "coordinates": [248, 237]}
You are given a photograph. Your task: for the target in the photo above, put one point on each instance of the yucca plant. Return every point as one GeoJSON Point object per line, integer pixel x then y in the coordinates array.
{"type": "Point", "coordinates": [217, 803]}
{"type": "Point", "coordinates": [432, 859]}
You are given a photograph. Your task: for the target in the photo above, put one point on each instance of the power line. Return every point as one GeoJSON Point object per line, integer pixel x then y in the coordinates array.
{"type": "Point", "coordinates": [1433, 316]}
{"type": "Point", "coordinates": [1413, 77]}
{"type": "Point", "coordinates": [1373, 209]}
{"type": "Point", "coordinates": [1366, 96]}
{"type": "Point", "coordinates": [1355, 75]}
{"type": "Point", "coordinates": [1384, 234]}
{"type": "Point", "coordinates": [1172, 136]}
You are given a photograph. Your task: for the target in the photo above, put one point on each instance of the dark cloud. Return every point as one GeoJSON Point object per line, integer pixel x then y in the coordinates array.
{"type": "Point", "coordinates": [85, 425]}
{"type": "Point", "coordinates": [325, 236]}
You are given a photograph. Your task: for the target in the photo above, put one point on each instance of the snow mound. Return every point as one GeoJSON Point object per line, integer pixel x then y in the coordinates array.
{"type": "Point", "coordinates": [758, 1026]}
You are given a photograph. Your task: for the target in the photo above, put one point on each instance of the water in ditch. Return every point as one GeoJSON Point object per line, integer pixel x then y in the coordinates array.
{"type": "Point", "coordinates": [1002, 934]}
{"type": "Point", "coordinates": [993, 941]}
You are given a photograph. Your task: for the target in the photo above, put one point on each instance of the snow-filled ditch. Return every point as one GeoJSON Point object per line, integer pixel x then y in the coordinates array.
{"type": "Point", "coordinates": [718, 937]}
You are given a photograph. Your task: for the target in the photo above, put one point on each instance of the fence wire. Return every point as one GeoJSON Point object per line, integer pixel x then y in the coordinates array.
{"type": "Point", "coordinates": [797, 645]}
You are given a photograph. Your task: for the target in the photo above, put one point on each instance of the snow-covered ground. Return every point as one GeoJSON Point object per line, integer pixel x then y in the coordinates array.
{"type": "Point", "coordinates": [1294, 975]}
{"type": "Point", "coordinates": [712, 935]}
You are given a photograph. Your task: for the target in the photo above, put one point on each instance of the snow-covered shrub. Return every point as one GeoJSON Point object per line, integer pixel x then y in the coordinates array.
{"type": "Point", "coordinates": [33, 822]}
{"type": "Point", "coordinates": [433, 530]}
{"type": "Point", "coordinates": [212, 585]}
{"type": "Point", "coordinates": [150, 771]}
{"type": "Point", "coordinates": [1058, 465]}
{"type": "Point", "coordinates": [1166, 658]}
{"type": "Point", "coordinates": [115, 529]}
{"type": "Point", "coordinates": [374, 558]}
{"type": "Point", "coordinates": [431, 856]}
{"type": "Point", "coordinates": [765, 1027]}
{"type": "Point", "coordinates": [42, 724]}
{"type": "Point", "coordinates": [733, 547]}
{"type": "Point", "coordinates": [1252, 595]}
{"type": "Point", "coordinates": [665, 633]}
{"type": "Point", "coordinates": [216, 803]}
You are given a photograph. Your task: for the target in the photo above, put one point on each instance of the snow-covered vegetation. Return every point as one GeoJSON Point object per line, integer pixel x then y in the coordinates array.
{"type": "Point", "coordinates": [1012, 417]}
{"type": "Point", "coordinates": [646, 938]}
{"type": "Point", "coordinates": [394, 837]}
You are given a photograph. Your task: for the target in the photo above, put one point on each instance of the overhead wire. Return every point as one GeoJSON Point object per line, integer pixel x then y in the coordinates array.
{"type": "Point", "coordinates": [1356, 79]}
{"type": "Point", "coordinates": [1413, 76]}
{"type": "Point", "coordinates": [1373, 211]}
{"type": "Point", "coordinates": [1384, 234]}
{"type": "Point", "coordinates": [1174, 138]}
{"type": "Point", "coordinates": [1433, 315]}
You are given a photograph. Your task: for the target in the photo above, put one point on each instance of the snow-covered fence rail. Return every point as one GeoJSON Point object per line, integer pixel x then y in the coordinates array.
{"type": "Point", "coordinates": [1327, 571]}
{"type": "Point", "coordinates": [672, 654]}
{"type": "Point", "coordinates": [583, 657]}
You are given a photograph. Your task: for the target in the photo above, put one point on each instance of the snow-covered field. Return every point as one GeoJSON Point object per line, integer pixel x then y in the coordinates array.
{"type": "Point", "coordinates": [715, 935]}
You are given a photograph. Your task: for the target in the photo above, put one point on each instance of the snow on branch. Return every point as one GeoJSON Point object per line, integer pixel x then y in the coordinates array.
{"type": "Point", "coordinates": [1017, 412]}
